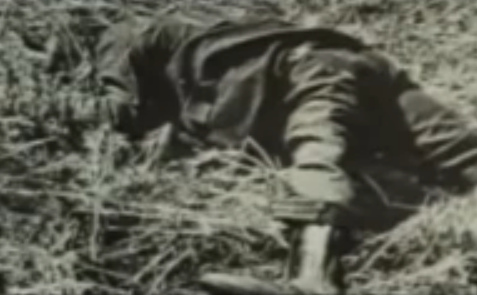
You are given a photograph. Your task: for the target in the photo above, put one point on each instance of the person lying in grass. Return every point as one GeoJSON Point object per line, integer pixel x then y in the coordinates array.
{"type": "Point", "coordinates": [326, 104]}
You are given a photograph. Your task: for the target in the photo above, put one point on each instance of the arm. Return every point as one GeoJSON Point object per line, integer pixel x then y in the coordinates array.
{"type": "Point", "coordinates": [115, 75]}
{"type": "Point", "coordinates": [324, 109]}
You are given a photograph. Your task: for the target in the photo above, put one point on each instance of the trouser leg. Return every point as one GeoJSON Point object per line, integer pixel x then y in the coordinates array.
{"type": "Point", "coordinates": [445, 143]}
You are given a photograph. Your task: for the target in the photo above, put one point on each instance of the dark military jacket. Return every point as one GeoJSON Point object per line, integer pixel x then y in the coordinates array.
{"type": "Point", "coordinates": [320, 99]}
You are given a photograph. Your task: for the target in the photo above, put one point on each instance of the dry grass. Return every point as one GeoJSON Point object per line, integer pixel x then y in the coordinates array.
{"type": "Point", "coordinates": [85, 212]}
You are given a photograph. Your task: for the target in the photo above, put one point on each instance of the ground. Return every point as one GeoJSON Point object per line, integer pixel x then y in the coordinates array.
{"type": "Point", "coordinates": [86, 212]}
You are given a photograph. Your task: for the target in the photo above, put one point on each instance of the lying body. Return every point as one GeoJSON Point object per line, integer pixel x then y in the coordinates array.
{"type": "Point", "coordinates": [323, 102]}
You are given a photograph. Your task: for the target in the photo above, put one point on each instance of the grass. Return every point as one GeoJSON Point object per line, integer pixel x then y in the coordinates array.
{"type": "Point", "coordinates": [86, 212]}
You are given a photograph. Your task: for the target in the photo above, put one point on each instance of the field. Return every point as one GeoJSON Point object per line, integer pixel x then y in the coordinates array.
{"type": "Point", "coordinates": [84, 211]}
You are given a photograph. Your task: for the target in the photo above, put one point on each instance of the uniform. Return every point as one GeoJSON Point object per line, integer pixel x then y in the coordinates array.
{"type": "Point", "coordinates": [328, 105]}
{"type": "Point", "coordinates": [321, 100]}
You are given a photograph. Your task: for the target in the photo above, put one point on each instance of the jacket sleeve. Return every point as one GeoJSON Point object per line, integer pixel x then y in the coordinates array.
{"type": "Point", "coordinates": [324, 107]}
{"type": "Point", "coordinates": [114, 73]}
